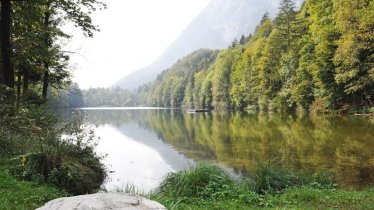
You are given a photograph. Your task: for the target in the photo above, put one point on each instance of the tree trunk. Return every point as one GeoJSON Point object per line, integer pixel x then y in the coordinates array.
{"type": "Point", "coordinates": [19, 78]}
{"type": "Point", "coordinates": [25, 79]}
{"type": "Point", "coordinates": [7, 70]}
{"type": "Point", "coordinates": [48, 44]}
{"type": "Point", "coordinates": [45, 82]}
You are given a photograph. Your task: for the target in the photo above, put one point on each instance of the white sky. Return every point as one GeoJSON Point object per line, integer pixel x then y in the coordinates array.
{"type": "Point", "coordinates": [134, 33]}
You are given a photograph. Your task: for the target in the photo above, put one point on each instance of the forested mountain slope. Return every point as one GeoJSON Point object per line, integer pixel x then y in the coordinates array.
{"type": "Point", "coordinates": [215, 28]}
{"type": "Point", "coordinates": [174, 86]}
{"type": "Point", "coordinates": [319, 58]}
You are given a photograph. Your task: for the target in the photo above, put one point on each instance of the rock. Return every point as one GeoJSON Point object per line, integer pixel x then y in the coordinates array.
{"type": "Point", "coordinates": [113, 201]}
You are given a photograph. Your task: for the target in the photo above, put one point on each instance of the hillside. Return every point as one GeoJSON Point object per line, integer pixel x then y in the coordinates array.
{"type": "Point", "coordinates": [171, 86]}
{"type": "Point", "coordinates": [316, 59]}
{"type": "Point", "coordinates": [215, 28]}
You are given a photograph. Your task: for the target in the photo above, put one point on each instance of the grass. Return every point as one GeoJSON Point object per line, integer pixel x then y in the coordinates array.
{"type": "Point", "coordinates": [203, 181]}
{"type": "Point", "coordinates": [314, 198]}
{"type": "Point", "coordinates": [22, 195]}
{"type": "Point", "coordinates": [292, 198]}
{"type": "Point", "coordinates": [209, 187]}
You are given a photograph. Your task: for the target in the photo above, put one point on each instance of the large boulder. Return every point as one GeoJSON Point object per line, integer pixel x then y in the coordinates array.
{"type": "Point", "coordinates": [113, 201]}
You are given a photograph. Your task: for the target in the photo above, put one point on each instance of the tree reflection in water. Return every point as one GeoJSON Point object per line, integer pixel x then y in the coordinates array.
{"type": "Point", "coordinates": [343, 145]}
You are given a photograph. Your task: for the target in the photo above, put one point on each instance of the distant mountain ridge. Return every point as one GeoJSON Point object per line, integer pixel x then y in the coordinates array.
{"type": "Point", "coordinates": [216, 27]}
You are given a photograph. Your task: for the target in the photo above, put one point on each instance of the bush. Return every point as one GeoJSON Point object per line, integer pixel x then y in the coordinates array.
{"type": "Point", "coordinates": [63, 157]}
{"type": "Point", "coordinates": [202, 181]}
{"type": "Point", "coordinates": [318, 107]}
{"type": "Point", "coordinates": [77, 178]}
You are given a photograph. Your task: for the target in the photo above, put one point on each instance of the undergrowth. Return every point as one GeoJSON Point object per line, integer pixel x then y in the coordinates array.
{"type": "Point", "coordinates": [40, 149]}
{"type": "Point", "coordinates": [16, 194]}
{"type": "Point", "coordinates": [211, 187]}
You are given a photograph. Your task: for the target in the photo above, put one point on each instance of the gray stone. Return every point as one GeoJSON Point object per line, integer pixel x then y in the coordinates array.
{"type": "Point", "coordinates": [113, 201]}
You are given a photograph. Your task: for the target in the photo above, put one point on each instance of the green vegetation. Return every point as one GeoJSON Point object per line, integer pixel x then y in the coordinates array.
{"type": "Point", "coordinates": [96, 97]}
{"type": "Point", "coordinates": [318, 59]}
{"type": "Point", "coordinates": [74, 97]}
{"type": "Point", "coordinates": [32, 59]}
{"type": "Point", "coordinates": [206, 186]}
{"type": "Point", "coordinates": [54, 156]}
{"type": "Point", "coordinates": [16, 194]}
{"type": "Point", "coordinates": [175, 87]}
{"type": "Point", "coordinates": [58, 154]}
{"type": "Point", "coordinates": [292, 198]}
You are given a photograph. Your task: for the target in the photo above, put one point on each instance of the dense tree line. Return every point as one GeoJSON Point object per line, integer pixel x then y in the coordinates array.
{"type": "Point", "coordinates": [117, 97]}
{"type": "Point", "coordinates": [176, 86]}
{"type": "Point", "coordinates": [319, 58]}
{"type": "Point", "coordinates": [33, 65]}
{"type": "Point", "coordinates": [74, 97]}
{"type": "Point", "coordinates": [32, 60]}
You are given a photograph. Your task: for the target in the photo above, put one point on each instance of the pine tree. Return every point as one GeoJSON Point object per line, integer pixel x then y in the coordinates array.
{"type": "Point", "coordinates": [354, 58]}
{"type": "Point", "coordinates": [285, 22]}
{"type": "Point", "coordinates": [242, 40]}
{"type": "Point", "coordinates": [265, 17]}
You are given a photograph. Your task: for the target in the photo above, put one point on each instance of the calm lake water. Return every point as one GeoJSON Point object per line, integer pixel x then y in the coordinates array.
{"type": "Point", "coordinates": [143, 145]}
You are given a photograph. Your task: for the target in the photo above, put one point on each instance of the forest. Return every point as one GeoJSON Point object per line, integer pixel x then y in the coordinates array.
{"type": "Point", "coordinates": [57, 157]}
{"type": "Point", "coordinates": [33, 62]}
{"type": "Point", "coordinates": [317, 59]}
{"type": "Point", "coordinates": [313, 60]}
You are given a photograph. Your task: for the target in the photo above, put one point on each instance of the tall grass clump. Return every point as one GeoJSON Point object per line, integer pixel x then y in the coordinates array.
{"type": "Point", "coordinates": [202, 181]}
{"type": "Point", "coordinates": [269, 178]}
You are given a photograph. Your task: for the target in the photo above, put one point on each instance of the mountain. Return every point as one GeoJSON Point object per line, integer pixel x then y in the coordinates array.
{"type": "Point", "coordinates": [216, 27]}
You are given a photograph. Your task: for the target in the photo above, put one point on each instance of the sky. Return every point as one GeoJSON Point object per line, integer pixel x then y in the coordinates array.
{"type": "Point", "coordinates": [133, 34]}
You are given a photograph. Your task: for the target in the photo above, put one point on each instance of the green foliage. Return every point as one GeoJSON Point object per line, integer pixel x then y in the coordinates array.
{"type": "Point", "coordinates": [15, 194]}
{"type": "Point", "coordinates": [322, 53]}
{"type": "Point", "coordinates": [221, 79]}
{"type": "Point", "coordinates": [45, 153]}
{"type": "Point", "coordinates": [176, 86]}
{"type": "Point", "coordinates": [202, 181]}
{"type": "Point", "coordinates": [117, 97]}
{"type": "Point", "coordinates": [304, 197]}
{"type": "Point", "coordinates": [316, 198]}
{"type": "Point", "coordinates": [32, 44]}
{"type": "Point", "coordinates": [269, 178]}
{"type": "Point", "coordinates": [354, 58]}
{"type": "Point", "coordinates": [206, 186]}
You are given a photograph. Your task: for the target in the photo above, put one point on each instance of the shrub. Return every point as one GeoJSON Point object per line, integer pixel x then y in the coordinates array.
{"type": "Point", "coordinates": [202, 181]}
{"type": "Point", "coordinates": [64, 157]}
{"type": "Point", "coordinates": [318, 106]}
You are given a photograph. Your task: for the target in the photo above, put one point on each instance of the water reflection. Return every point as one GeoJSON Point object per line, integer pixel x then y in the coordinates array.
{"type": "Point", "coordinates": [134, 162]}
{"type": "Point", "coordinates": [135, 155]}
{"type": "Point", "coordinates": [343, 145]}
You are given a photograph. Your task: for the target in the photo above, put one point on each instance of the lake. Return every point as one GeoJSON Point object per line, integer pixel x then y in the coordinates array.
{"type": "Point", "coordinates": [143, 145]}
